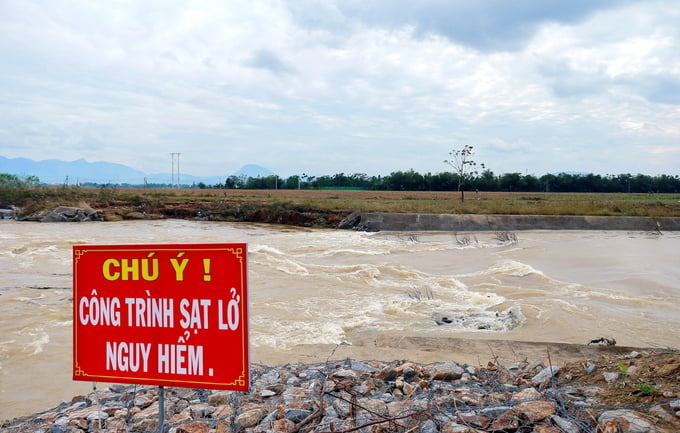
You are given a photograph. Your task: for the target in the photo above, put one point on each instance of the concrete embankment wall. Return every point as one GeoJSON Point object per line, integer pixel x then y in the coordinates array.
{"type": "Point", "coordinates": [445, 222]}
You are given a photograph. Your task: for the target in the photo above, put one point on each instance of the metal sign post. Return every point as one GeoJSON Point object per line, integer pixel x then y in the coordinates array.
{"type": "Point", "coordinates": [161, 409]}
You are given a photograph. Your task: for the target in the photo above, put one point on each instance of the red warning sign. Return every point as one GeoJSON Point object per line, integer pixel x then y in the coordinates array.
{"type": "Point", "coordinates": [167, 315]}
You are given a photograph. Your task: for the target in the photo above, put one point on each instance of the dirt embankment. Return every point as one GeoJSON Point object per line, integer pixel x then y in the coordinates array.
{"type": "Point", "coordinates": [194, 209]}
{"type": "Point", "coordinates": [298, 209]}
{"type": "Point", "coordinates": [272, 213]}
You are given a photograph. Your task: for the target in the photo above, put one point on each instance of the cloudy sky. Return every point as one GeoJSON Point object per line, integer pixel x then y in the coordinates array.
{"type": "Point", "coordinates": [352, 86]}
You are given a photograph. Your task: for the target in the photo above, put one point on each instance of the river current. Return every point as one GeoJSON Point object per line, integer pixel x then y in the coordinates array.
{"type": "Point", "coordinates": [321, 287]}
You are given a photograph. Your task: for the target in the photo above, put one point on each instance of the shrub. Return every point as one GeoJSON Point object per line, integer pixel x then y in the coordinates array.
{"type": "Point", "coordinates": [647, 389]}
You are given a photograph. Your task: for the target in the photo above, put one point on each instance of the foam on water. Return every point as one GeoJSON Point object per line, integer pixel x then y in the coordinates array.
{"type": "Point", "coordinates": [295, 333]}
{"type": "Point", "coordinates": [37, 339]}
{"type": "Point", "coordinates": [514, 268]}
{"type": "Point", "coordinates": [255, 250]}
{"type": "Point", "coordinates": [374, 293]}
{"type": "Point", "coordinates": [379, 297]}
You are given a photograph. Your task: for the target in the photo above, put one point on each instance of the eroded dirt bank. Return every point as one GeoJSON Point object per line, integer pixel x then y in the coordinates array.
{"type": "Point", "coordinates": [365, 221]}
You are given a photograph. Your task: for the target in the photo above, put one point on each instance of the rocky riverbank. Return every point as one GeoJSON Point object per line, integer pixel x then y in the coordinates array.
{"type": "Point", "coordinates": [183, 209]}
{"type": "Point", "coordinates": [364, 221]}
{"type": "Point", "coordinates": [625, 393]}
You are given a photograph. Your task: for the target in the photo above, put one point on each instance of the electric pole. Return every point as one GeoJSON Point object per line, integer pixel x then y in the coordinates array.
{"type": "Point", "coordinates": [178, 184]}
{"type": "Point", "coordinates": [172, 168]}
{"type": "Point", "coordinates": [172, 156]}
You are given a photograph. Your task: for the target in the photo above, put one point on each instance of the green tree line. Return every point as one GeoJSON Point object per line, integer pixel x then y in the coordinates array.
{"type": "Point", "coordinates": [14, 181]}
{"type": "Point", "coordinates": [413, 181]}
{"type": "Point", "coordinates": [485, 181]}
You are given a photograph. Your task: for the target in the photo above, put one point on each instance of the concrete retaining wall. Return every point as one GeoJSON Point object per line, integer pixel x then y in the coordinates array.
{"type": "Point", "coordinates": [458, 223]}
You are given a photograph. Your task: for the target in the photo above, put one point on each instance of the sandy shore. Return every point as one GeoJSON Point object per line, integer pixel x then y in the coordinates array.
{"type": "Point", "coordinates": [475, 352]}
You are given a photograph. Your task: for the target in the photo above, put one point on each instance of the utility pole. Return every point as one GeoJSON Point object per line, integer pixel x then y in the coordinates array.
{"type": "Point", "coordinates": [172, 156]}
{"type": "Point", "coordinates": [178, 154]}
{"type": "Point", "coordinates": [172, 165]}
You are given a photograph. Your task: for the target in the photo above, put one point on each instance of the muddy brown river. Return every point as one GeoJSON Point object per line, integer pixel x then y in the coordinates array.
{"type": "Point", "coordinates": [321, 289]}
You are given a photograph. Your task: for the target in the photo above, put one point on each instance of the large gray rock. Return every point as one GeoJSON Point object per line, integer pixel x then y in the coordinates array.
{"type": "Point", "coordinates": [296, 415]}
{"type": "Point", "coordinates": [71, 214]}
{"type": "Point", "coordinates": [625, 420]}
{"type": "Point", "coordinates": [447, 371]}
{"type": "Point", "coordinates": [487, 320]}
{"type": "Point", "coordinates": [545, 374]}
{"type": "Point", "coordinates": [9, 212]}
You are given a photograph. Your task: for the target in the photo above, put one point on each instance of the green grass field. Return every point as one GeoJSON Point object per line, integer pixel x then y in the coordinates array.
{"type": "Point", "coordinates": [657, 205]}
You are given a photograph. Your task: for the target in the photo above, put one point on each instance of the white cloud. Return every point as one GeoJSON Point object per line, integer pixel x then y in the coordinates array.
{"type": "Point", "coordinates": [341, 86]}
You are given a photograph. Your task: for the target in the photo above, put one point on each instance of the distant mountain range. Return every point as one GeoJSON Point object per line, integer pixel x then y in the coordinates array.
{"type": "Point", "coordinates": [53, 171]}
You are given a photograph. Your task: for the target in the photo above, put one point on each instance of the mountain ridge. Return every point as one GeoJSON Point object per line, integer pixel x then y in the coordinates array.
{"type": "Point", "coordinates": [55, 171]}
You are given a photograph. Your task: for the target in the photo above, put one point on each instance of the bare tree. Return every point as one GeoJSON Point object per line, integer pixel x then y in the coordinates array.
{"type": "Point", "coordinates": [463, 166]}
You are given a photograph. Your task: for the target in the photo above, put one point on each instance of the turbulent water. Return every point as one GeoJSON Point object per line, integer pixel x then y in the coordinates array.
{"type": "Point", "coordinates": [330, 287]}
